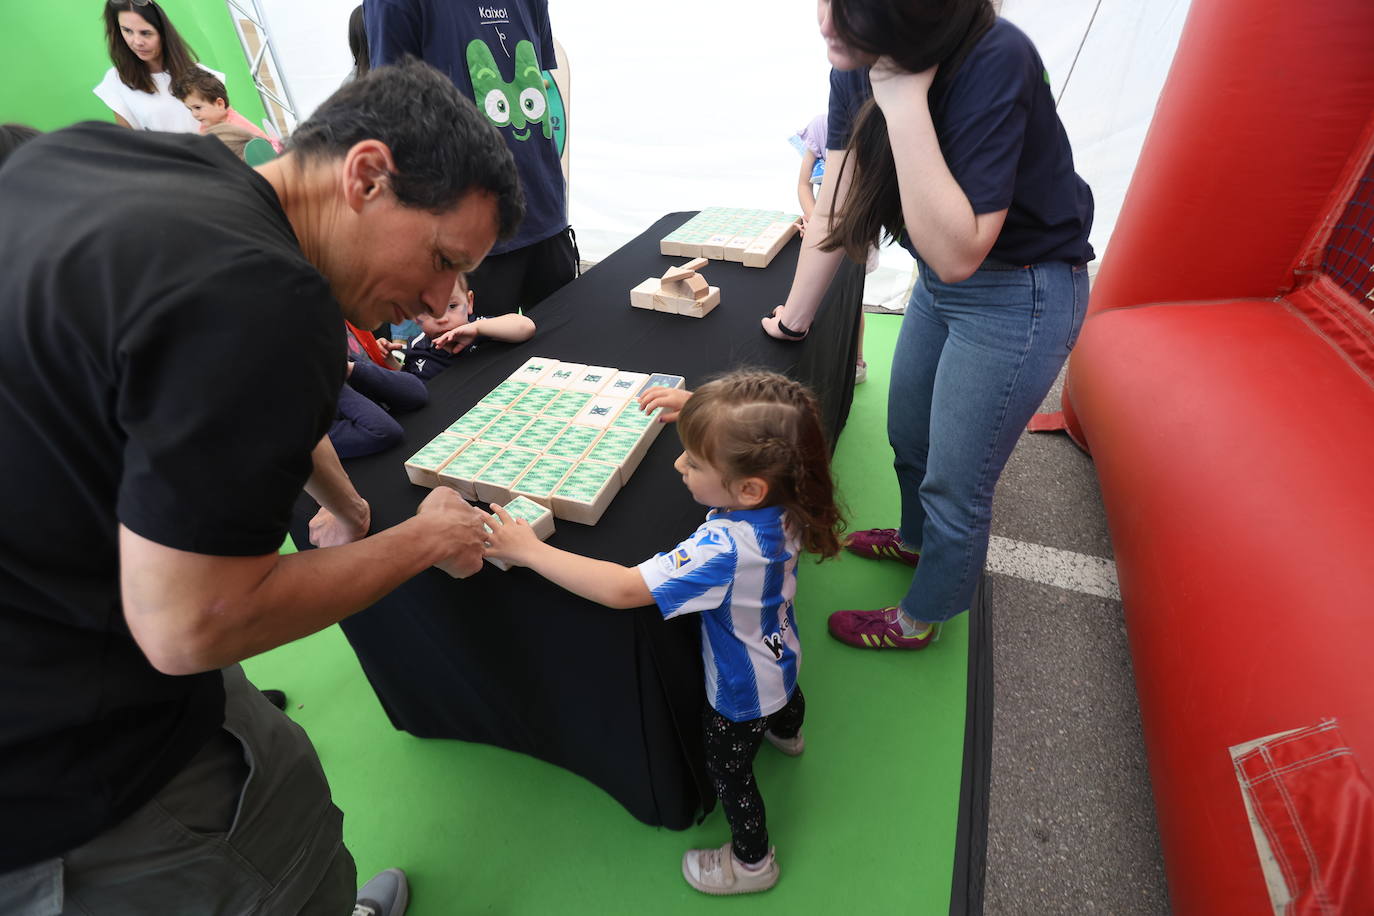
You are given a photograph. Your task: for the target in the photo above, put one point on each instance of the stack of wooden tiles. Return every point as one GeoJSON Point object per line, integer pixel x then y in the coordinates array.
{"type": "Point", "coordinates": [540, 518]}
{"type": "Point", "coordinates": [750, 237]}
{"type": "Point", "coordinates": [564, 435]}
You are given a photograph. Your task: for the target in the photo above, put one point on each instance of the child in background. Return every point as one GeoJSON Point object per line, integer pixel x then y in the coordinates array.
{"type": "Point", "coordinates": [810, 142]}
{"type": "Point", "coordinates": [442, 340]}
{"type": "Point", "coordinates": [205, 97]}
{"type": "Point", "coordinates": [754, 452]}
{"type": "Point", "coordinates": [373, 389]}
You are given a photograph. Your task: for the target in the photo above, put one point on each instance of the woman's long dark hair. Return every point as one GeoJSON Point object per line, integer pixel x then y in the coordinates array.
{"type": "Point", "coordinates": [916, 35]}
{"type": "Point", "coordinates": [357, 42]}
{"type": "Point", "coordinates": [177, 57]}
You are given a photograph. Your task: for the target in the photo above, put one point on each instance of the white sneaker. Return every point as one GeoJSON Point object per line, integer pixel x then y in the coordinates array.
{"type": "Point", "coordinates": [792, 747]}
{"type": "Point", "coordinates": [860, 372]}
{"type": "Point", "coordinates": [714, 871]}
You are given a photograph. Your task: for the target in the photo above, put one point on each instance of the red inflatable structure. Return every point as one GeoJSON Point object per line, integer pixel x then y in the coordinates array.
{"type": "Point", "coordinates": [1224, 385]}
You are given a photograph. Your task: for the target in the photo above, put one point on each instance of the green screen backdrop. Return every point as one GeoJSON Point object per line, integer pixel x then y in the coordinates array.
{"type": "Point", "coordinates": [56, 55]}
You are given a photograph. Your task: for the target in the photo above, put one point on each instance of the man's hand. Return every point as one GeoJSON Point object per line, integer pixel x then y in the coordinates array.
{"type": "Point", "coordinates": [771, 322]}
{"type": "Point", "coordinates": [671, 400]}
{"type": "Point", "coordinates": [330, 530]}
{"type": "Point", "coordinates": [458, 338]}
{"type": "Point", "coordinates": [458, 531]}
{"type": "Point", "coordinates": [389, 346]}
{"type": "Point", "coordinates": [895, 88]}
{"type": "Point", "coordinates": [510, 539]}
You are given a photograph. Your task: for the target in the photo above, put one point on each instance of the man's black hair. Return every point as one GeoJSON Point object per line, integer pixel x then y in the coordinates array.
{"type": "Point", "coordinates": [442, 145]}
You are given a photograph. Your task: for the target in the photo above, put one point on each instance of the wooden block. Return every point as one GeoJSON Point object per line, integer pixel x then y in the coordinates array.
{"type": "Point", "coordinates": [642, 296]}
{"type": "Point", "coordinates": [503, 394]}
{"type": "Point", "coordinates": [586, 492]}
{"type": "Point", "coordinates": [493, 483]}
{"type": "Point", "coordinates": [535, 368]}
{"type": "Point", "coordinates": [592, 379]}
{"type": "Point", "coordinates": [624, 385]}
{"type": "Point", "coordinates": [573, 442]}
{"type": "Point", "coordinates": [542, 478]}
{"type": "Point", "coordinates": [663, 380]}
{"type": "Point", "coordinates": [535, 400]}
{"type": "Point", "coordinates": [692, 286]}
{"type": "Point", "coordinates": [714, 247]}
{"type": "Point", "coordinates": [668, 247]}
{"type": "Point", "coordinates": [699, 308]}
{"type": "Point", "coordinates": [539, 433]}
{"type": "Point", "coordinates": [567, 404]}
{"type": "Point", "coordinates": [423, 467]}
{"type": "Point", "coordinates": [465, 466]}
{"type": "Point", "coordinates": [644, 425]}
{"type": "Point", "coordinates": [470, 424]}
{"type": "Point", "coordinates": [734, 250]}
{"type": "Point", "coordinates": [505, 428]}
{"type": "Point", "coordinates": [599, 412]}
{"type": "Point", "coordinates": [623, 448]}
{"type": "Point", "coordinates": [689, 249]}
{"type": "Point", "coordinates": [540, 519]}
{"type": "Point", "coordinates": [683, 271]}
{"type": "Point", "coordinates": [563, 375]}
{"type": "Point", "coordinates": [768, 244]}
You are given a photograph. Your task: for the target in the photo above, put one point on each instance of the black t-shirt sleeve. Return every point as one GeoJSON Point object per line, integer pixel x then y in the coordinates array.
{"type": "Point", "coordinates": [219, 426]}
{"type": "Point", "coordinates": [982, 124]}
{"type": "Point", "coordinates": [846, 96]}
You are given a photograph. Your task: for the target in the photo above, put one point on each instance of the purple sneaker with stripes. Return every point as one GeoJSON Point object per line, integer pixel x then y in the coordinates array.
{"type": "Point", "coordinates": [876, 630]}
{"type": "Point", "coordinates": [880, 544]}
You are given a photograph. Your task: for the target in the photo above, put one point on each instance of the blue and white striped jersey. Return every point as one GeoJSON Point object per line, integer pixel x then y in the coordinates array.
{"type": "Point", "coordinates": [739, 571]}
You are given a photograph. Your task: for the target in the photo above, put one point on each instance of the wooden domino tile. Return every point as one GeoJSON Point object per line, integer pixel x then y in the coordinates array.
{"type": "Point", "coordinates": [494, 481]}
{"type": "Point", "coordinates": [542, 478]}
{"type": "Point", "coordinates": [563, 375]}
{"type": "Point", "coordinates": [585, 493]}
{"type": "Point", "coordinates": [592, 379]}
{"type": "Point", "coordinates": [567, 405]}
{"type": "Point", "coordinates": [534, 369]}
{"type": "Point", "coordinates": [624, 385]}
{"type": "Point", "coordinates": [474, 421]}
{"type": "Point", "coordinates": [503, 394]}
{"type": "Point", "coordinates": [505, 428]}
{"type": "Point", "coordinates": [423, 467]}
{"type": "Point", "coordinates": [599, 412]}
{"type": "Point", "coordinates": [539, 518]}
{"type": "Point", "coordinates": [539, 433]}
{"type": "Point", "coordinates": [463, 469]}
{"type": "Point", "coordinates": [573, 442]}
{"type": "Point", "coordinates": [535, 399]}
{"type": "Point", "coordinates": [624, 448]}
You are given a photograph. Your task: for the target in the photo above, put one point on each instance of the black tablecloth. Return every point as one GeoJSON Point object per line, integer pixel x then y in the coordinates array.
{"type": "Point", "coordinates": [507, 658]}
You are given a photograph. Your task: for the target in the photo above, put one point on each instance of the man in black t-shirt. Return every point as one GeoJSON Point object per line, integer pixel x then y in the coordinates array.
{"type": "Point", "coordinates": [148, 495]}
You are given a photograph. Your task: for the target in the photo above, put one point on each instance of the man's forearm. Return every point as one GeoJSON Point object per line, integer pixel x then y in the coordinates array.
{"type": "Point", "coordinates": [330, 486]}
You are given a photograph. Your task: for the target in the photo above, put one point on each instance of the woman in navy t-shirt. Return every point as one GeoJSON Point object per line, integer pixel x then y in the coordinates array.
{"type": "Point", "coordinates": [944, 135]}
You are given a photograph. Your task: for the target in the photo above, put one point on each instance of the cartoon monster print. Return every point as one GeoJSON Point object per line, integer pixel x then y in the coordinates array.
{"type": "Point", "coordinates": [515, 104]}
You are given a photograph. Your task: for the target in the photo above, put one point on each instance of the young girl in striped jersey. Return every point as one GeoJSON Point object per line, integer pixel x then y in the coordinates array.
{"type": "Point", "coordinates": [755, 453]}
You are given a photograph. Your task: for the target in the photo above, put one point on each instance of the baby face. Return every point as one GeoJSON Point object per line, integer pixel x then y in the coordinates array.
{"type": "Point", "coordinates": [208, 113]}
{"type": "Point", "coordinates": [459, 312]}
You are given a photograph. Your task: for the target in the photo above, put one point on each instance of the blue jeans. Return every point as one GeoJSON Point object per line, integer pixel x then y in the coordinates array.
{"type": "Point", "coordinates": [973, 362]}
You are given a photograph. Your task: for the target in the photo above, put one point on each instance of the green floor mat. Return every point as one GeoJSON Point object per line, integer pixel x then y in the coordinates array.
{"type": "Point", "coordinates": [864, 822]}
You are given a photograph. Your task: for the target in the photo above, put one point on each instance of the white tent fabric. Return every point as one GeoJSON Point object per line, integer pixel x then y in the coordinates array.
{"type": "Point", "coordinates": [678, 108]}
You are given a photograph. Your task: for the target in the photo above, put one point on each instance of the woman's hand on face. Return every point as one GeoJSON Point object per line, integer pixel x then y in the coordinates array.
{"type": "Point", "coordinates": [895, 87]}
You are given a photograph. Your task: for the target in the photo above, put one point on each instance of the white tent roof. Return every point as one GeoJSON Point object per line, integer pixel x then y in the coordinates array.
{"type": "Point", "coordinates": [678, 108]}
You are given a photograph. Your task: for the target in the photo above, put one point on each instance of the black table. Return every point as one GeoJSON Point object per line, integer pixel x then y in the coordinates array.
{"type": "Point", "coordinates": [508, 659]}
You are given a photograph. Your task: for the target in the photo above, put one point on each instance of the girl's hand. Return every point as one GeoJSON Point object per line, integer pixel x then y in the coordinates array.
{"type": "Point", "coordinates": [458, 338]}
{"type": "Point", "coordinates": [895, 89]}
{"type": "Point", "coordinates": [510, 539]}
{"type": "Point", "coordinates": [770, 327]}
{"type": "Point", "coordinates": [671, 400]}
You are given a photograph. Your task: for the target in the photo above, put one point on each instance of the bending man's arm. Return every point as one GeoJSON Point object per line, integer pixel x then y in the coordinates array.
{"type": "Point", "coordinates": [192, 612]}
{"type": "Point", "coordinates": [344, 515]}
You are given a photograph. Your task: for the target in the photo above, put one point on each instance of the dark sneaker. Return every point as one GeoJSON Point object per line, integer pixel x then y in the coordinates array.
{"type": "Point", "coordinates": [876, 630]}
{"type": "Point", "coordinates": [880, 544]}
{"type": "Point", "coordinates": [713, 871]}
{"type": "Point", "coordinates": [385, 895]}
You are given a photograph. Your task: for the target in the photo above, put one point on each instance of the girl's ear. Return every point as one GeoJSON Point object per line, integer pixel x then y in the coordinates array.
{"type": "Point", "coordinates": [751, 491]}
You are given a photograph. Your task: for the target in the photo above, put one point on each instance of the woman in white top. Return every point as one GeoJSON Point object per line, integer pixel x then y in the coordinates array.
{"type": "Point", "coordinates": [148, 55]}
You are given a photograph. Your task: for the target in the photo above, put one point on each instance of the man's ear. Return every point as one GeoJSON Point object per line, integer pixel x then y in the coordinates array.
{"type": "Point", "coordinates": [751, 491]}
{"type": "Point", "coordinates": [367, 170]}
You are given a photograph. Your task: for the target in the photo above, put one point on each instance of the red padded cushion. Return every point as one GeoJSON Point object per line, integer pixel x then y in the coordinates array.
{"type": "Point", "coordinates": [1234, 449]}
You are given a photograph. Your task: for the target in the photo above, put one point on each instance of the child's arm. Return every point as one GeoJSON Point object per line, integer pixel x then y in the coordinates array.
{"type": "Point", "coordinates": [512, 328]}
{"type": "Point", "coordinates": [806, 191]}
{"type": "Point", "coordinates": [611, 584]}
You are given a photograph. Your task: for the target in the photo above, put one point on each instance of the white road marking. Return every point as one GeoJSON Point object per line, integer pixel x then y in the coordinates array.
{"type": "Point", "coordinates": [1076, 572]}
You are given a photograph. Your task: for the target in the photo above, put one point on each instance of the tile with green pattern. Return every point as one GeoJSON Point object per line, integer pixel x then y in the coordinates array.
{"type": "Point", "coordinates": [573, 443]}
{"type": "Point", "coordinates": [437, 451]}
{"type": "Point", "coordinates": [503, 470]}
{"type": "Point", "coordinates": [615, 446]}
{"type": "Point", "coordinates": [543, 476]}
{"type": "Point", "coordinates": [535, 400]}
{"type": "Point", "coordinates": [567, 404]}
{"type": "Point", "coordinates": [471, 460]}
{"type": "Point", "coordinates": [540, 433]}
{"type": "Point", "coordinates": [585, 482]}
{"type": "Point", "coordinates": [474, 421]}
{"type": "Point", "coordinates": [503, 394]}
{"type": "Point", "coordinates": [505, 428]}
